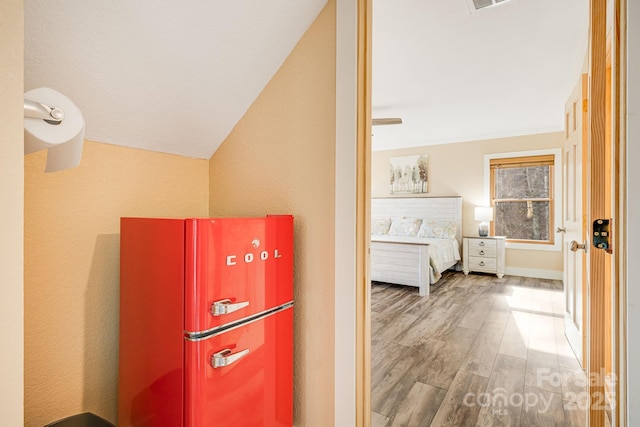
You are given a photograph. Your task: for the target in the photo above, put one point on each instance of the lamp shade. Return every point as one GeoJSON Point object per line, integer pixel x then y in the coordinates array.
{"type": "Point", "coordinates": [483, 213]}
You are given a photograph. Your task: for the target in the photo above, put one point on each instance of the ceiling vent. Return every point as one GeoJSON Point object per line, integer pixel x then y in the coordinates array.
{"type": "Point", "coordinates": [476, 5]}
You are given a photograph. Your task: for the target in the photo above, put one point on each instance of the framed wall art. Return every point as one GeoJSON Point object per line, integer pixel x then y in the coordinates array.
{"type": "Point", "coordinates": [408, 174]}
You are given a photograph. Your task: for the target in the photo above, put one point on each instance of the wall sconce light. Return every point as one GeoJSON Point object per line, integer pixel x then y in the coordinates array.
{"type": "Point", "coordinates": [483, 214]}
{"type": "Point", "coordinates": [53, 122]}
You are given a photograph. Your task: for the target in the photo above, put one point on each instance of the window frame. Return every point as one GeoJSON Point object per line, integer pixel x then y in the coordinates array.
{"type": "Point", "coordinates": [555, 197]}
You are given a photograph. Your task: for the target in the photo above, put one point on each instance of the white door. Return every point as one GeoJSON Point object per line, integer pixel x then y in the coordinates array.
{"type": "Point", "coordinates": [574, 223]}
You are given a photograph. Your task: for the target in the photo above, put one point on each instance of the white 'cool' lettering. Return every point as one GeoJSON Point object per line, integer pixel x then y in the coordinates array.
{"type": "Point", "coordinates": [249, 257]}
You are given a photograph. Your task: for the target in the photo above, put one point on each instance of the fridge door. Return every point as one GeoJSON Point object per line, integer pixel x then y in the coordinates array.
{"type": "Point", "coordinates": [236, 268]}
{"type": "Point", "coordinates": [252, 381]}
{"type": "Point", "coordinates": [151, 360]}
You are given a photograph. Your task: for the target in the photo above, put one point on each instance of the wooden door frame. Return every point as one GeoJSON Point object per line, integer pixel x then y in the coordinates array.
{"type": "Point", "coordinates": [596, 209]}
{"type": "Point", "coordinates": [363, 206]}
{"type": "Point", "coordinates": [599, 195]}
{"type": "Point", "coordinates": [597, 112]}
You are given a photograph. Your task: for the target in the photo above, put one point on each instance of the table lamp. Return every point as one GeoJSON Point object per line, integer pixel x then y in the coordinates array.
{"type": "Point", "coordinates": [483, 214]}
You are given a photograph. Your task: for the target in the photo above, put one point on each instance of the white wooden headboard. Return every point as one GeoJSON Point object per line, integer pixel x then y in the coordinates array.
{"type": "Point", "coordinates": [441, 208]}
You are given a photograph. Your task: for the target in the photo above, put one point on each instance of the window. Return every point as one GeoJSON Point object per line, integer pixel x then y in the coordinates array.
{"type": "Point", "coordinates": [522, 195]}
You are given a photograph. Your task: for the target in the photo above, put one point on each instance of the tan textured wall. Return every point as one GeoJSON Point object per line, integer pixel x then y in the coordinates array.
{"type": "Point", "coordinates": [71, 268]}
{"type": "Point", "coordinates": [280, 159]}
{"type": "Point", "coordinates": [459, 169]}
{"type": "Point", "coordinates": [11, 211]}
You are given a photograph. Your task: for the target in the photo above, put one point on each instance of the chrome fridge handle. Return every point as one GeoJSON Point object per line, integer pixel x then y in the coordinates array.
{"type": "Point", "coordinates": [225, 358]}
{"type": "Point", "coordinates": [225, 306]}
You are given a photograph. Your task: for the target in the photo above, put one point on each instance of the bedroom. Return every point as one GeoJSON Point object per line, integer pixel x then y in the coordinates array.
{"type": "Point", "coordinates": [457, 165]}
{"type": "Point", "coordinates": [451, 173]}
{"type": "Point", "coordinates": [504, 322]}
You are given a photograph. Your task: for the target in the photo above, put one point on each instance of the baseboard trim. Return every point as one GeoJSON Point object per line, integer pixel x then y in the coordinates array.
{"type": "Point", "coordinates": [534, 272]}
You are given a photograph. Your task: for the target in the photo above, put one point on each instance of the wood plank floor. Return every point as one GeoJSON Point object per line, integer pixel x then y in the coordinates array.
{"type": "Point", "coordinates": [480, 351]}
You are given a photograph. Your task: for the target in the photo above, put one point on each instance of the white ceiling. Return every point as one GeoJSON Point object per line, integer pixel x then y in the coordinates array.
{"type": "Point", "coordinates": [452, 75]}
{"type": "Point", "coordinates": [176, 77]}
{"type": "Point", "coordinates": [168, 76]}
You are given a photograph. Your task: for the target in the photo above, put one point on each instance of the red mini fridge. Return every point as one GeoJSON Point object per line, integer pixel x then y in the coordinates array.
{"type": "Point", "coordinates": [206, 322]}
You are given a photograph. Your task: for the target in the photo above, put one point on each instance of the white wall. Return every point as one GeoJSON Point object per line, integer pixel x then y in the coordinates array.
{"type": "Point", "coordinates": [633, 210]}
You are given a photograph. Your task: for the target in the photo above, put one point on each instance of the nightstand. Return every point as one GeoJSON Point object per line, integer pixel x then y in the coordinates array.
{"type": "Point", "coordinates": [485, 254]}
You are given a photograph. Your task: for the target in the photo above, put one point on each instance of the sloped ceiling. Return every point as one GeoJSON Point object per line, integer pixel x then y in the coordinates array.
{"type": "Point", "coordinates": [176, 77]}
{"type": "Point", "coordinates": [452, 75]}
{"type": "Point", "coordinates": [168, 76]}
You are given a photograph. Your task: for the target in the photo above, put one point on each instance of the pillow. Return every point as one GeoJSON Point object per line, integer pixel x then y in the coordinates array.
{"type": "Point", "coordinates": [405, 226]}
{"type": "Point", "coordinates": [436, 229]}
{"type": "Point", "coordinates": [380, 225]}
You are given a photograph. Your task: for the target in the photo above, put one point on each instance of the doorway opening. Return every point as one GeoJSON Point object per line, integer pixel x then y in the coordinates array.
{"type": "Point", "coordinates": [374, 326]}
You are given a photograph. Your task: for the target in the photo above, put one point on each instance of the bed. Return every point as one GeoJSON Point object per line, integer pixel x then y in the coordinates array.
{"type": "Point", "coordinates": [414, 239]}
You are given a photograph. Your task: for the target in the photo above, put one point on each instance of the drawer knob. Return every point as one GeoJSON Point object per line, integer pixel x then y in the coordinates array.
{"type": "Point", "coordinates": [481, 252]}
{"type": "Point", "coordinates": [481, 243]}
{"type": "Point", "coordinates": [481, 263]}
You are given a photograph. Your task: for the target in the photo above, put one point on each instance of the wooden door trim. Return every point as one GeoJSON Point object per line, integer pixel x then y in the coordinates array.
{"type": "Point", "coordinates": [363, 197]}
{"type": "Point", "coordinates": [607, 55]}
{"type": "Point", "coordinates": [597, 111]}
{"type": "Point", "coordinates": [597, 200]}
